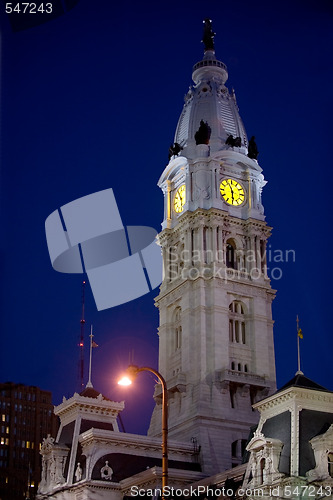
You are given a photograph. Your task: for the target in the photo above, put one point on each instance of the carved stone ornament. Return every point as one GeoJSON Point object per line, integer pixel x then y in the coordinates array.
{"type": "Point", "coordinates": [47, 444]}
{"type": "Point", "coordinates": [53, 465]}
{"type": "Point", "coordinates": [106, 471]}
{"type": "Point", "coordinates": [202, 185]}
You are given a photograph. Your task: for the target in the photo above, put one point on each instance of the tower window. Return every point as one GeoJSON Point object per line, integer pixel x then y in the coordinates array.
{"type": "Point", "coordinates": [243, 332]}
{"type": "Point", "coordinates": [237, 326]}
{"type": "Point", "coordinates": [237, 331]}
{"type": "Point", "coordinates": [178, 337]}
{"type": "Point", "coordinates": [231, 254]}
{"type": "Point", "coordinates": [177, 329]}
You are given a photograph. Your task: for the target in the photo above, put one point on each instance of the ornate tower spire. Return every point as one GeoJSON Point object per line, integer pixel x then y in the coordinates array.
{"type": "Point", "coordinates": [209, 101]}
{"type": "Point", "coordinates": [216, 329]}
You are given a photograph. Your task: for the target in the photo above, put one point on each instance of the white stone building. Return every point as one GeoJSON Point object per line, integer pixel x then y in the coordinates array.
{"type": "Point", "coordinates": [216, 339]}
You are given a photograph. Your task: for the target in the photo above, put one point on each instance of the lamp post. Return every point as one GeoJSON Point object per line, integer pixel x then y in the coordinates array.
{"type": "Point", "coordinates": [130, 375]}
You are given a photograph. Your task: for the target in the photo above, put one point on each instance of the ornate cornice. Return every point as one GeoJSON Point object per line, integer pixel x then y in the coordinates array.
{"type": "Point", "coordinates": [286, 400]}
{"type": "Point", "coordinates": [71, 408]}
{"type": "Point", "coordinates": [111, 439]}
{"type": "Point", "coordinates": [219, 217]}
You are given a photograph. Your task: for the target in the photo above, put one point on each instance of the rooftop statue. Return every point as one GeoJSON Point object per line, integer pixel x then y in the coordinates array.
{"type": "Point", "coordinates": [174, 150]}
{"type": "Point", "coordinates": [252, 149]}
{"type": "Point", "coordinates": [202, 135]}
{"type": "Point", "coordinates": [208, 35]}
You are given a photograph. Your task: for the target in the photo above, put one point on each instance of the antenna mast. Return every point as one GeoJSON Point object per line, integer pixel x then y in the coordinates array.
{"type": "Point", "coordinates": [81, 343]}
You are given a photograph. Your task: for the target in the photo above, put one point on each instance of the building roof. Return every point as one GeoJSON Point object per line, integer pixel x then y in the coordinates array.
{"type": "Point", "coordinates": [90, 392]}
{"type": "Point", "coordinates": [300, 380]}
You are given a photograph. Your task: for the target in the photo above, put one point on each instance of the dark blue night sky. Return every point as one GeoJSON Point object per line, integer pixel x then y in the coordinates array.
{"type": "Point", "coordinates": [90, 100]}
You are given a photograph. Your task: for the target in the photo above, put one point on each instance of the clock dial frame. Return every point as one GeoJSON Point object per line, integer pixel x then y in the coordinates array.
{"type": "Point", "coordinates": [232, 192]}
{"type": "Point", "coordinates": [179, 199]}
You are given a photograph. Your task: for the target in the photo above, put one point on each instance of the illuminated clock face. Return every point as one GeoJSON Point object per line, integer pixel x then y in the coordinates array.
{"type": "Point", "coordinates": [232, 192]}
{"type": "Point", "coordinates": [179, 200]}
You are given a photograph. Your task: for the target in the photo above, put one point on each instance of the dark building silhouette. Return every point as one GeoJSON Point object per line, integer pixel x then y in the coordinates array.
{"type": "Point", "coordinates": [26, 415]}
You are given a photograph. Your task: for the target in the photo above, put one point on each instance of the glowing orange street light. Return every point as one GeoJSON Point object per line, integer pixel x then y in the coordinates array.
{"type": "Point", "coordinates": [126, 380]}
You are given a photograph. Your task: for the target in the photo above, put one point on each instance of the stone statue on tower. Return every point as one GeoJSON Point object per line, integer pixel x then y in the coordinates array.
{"type": "Point", "coordinates": [208, 35]}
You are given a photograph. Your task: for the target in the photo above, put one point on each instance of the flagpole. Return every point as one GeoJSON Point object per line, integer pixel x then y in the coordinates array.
{"type": "Point", "coordinates": [89, 384]}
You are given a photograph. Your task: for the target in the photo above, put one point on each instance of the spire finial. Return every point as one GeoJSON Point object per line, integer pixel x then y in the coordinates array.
{"type": "Point", "coordinates": [299, 336]}
{"type": "Point", "coordinates": [208, 35]}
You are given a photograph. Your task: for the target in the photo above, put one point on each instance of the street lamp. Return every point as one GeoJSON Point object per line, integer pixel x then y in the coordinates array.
{"type": "Point", "coordinates": [127, 379]}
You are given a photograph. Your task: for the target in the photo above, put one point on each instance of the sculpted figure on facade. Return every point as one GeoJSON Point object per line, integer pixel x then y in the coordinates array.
{"type": "Point", "coordinates": [78, 472]}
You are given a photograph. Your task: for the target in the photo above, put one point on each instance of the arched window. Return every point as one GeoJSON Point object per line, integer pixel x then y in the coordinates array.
{"type": "Point", "coordinates": [177, 329]}
{"type": "Point", "coordinates": [237, 326]}
{"type": "Point", "coordinates": [230, 259]}
{"type": "Point", "coordinates": [178, 338]}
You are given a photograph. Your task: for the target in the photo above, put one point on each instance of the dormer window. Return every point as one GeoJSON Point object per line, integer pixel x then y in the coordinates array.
{"type": "Point", "coordinates": [263, 466]}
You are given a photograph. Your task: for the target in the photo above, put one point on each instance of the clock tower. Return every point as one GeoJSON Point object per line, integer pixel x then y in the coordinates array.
{"type": "Point", "coordinates": [216, 347]}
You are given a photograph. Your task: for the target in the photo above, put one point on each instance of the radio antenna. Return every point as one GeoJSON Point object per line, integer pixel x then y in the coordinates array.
{"type": "Point", "coordinates": [81, 343]}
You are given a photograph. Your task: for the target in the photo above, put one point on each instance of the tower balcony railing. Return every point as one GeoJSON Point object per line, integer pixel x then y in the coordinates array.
{"type": "Point", "coordinates": [228, 375]}
{"type": "Point", "coordinates": [234, 273]}
{"type": "Point", "coordinates": [210, 62]}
